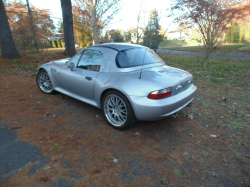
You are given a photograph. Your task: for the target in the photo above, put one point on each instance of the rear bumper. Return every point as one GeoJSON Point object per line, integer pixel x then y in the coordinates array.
{"type": "Point", "coordinates": [150, 110]}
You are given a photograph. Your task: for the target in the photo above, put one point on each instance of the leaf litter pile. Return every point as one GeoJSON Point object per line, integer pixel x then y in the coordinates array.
{"type": "Point", "coordinates": [204, 145]}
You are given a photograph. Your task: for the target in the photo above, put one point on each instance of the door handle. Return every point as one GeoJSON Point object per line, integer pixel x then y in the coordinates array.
{"type": "Point", "coordinates": [89, 78]}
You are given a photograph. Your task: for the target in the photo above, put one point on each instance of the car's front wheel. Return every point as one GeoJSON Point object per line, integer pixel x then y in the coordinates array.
{"type": "Point", "coordinates": [44, 82]}
{"type": "Point", "coordinates": [117, 110]}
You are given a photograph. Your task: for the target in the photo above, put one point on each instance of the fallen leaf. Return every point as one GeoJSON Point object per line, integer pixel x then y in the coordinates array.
{"type": "Point", "coordinates": [46, 178]}
{"type": "Point", "coordinates": [97, 171]}
{"type": "Point", "coordinates": [47, 114]}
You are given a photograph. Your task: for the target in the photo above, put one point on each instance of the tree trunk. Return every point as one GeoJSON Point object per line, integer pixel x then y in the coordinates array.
{"type": "Point", "coordinates": [32, 26]}
{"type": "Point", "coordinates": [68, 27]}
{"type": "Point", "coordinates": [95, 29]}
{"type": "Point", "coordinates": [8, 47]}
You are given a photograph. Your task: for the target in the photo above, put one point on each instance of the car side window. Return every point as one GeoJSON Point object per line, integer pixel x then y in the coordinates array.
{"type": "Point", "coordinates": [91, 60]}
{"type": "Point", "coordinates": [76, 58]}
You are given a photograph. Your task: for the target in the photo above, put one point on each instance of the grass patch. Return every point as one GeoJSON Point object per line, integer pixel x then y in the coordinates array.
{"type": "Point", "coordinates": [199, 48]}
{"type": "Point", "coordinates": [90, 138]}
{"type": "Point", "coordinates": [18, 66]}
{"type": "Point", "coordinates": [204, 153]}
{"type": "Point", "coordinates": [176, 171]}
{"type": "Point", "coordinates": [109, 158]}
{"type": "Point", "coordinates": [174, 43]}
{"type": "Point", "coordinates": [222, 78]}
{"type": "Point", "coordinates": [157, 147]}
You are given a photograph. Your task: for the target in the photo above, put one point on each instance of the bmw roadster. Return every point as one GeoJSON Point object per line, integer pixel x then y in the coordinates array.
{"type": "Point", "coordinates": [128, 82]}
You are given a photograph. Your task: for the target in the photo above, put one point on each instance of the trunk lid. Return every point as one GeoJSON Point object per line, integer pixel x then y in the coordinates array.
{"type": "Point", "coordinates": [165, 75]}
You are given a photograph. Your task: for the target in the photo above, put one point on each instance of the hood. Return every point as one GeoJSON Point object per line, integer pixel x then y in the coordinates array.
{"type": "Point", "coordinates": [61, 61]}
{"type": "Point", "coordinates": [165, 75]}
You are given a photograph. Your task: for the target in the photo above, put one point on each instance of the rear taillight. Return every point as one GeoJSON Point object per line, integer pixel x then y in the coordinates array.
{"type": "Point", "coordinates": [160, 94]}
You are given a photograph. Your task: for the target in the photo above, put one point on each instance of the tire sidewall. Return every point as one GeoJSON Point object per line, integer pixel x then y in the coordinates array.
{"type": "Point", "coordinates": [37, 77]}
{"type": "Point", "coordinates": [130, 112]}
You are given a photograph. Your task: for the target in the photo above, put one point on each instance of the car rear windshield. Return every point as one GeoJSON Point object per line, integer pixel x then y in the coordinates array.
{"type": "Point", "coordinates": [136, 57]}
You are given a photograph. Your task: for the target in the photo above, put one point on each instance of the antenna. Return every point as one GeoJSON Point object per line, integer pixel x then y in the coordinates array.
{"type": "Point", "coordinates": [142, 63]}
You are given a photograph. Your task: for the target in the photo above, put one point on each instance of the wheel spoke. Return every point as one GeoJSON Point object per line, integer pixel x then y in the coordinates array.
{"type": "Point", "coordinates": [115, 110]}
{"type": "Point", "coordinates": [45, 83]}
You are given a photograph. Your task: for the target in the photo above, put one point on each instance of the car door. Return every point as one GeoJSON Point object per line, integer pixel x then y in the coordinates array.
{"type": "Point", "coordinates": [81, 80]}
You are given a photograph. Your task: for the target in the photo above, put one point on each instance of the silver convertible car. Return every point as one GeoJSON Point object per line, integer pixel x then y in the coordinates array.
{"type": "Point", "coordinates": [128, 82]}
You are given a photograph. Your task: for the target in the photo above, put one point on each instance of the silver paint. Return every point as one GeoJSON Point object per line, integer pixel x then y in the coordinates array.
{"type": "Point", "coordinates": [125, 80]}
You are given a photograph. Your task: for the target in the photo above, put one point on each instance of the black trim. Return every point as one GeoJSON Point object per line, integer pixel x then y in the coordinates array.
{"type": "Point", "coordinates": [116, 58]}
{"type": "Point", "coordinates": [118, 65]}
{"type": "Point", "coordinates": [105, 47]}
{"type": "Point", "coordinates": [86, 49]}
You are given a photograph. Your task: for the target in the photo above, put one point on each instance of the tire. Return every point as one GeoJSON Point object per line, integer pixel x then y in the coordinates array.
{"type": "Point", "coordinates": [44, 83]}
{"type": "Point", "coordinates": [117, 110]}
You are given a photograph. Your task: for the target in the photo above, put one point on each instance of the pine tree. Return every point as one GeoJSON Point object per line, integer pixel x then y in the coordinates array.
{"type": "Point", "coordinates": [152, 33]}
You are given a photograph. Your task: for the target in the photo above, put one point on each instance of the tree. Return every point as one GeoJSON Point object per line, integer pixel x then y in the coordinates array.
{"type": "Point", "coordinates": [210, 17]}
{"type": "Point", "coordinates": [195, 34]}
{"type": "Point", "coordinates": [138, 22]}
{"type": "Point", "coordinates": [82, 26]}
{"type": "Point", "coordinates": [19, 22]}
{"type": "Point", "coordinates": [60, 26]}
{"type": "Point", "coordinates": [8, 47]}
{"type": "Point", "coordinates": [68, 27]}
{"type": "Point", "coordinates": [101, 11]}
{"type": "Point", "coordinates": [116, 35]}
{"type": "Point", "coordinates": [152, 33]}
{"type": "Point", "coordinates": [32, 26]}
{"type": "Point", "coordinates": [128, 36]}
{"type": "Point", "coordinates": [92, 9]}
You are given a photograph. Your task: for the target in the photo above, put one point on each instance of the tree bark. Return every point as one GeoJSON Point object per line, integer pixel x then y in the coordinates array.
{"type": "Point", "coordinates": [7, 43]}
{"type": "Point", "coordinates": [68, 27]}
{"type": "Point", "coordinates": [94, 22]}
{"type": "Point", "coordinates": [95, 29]}
{"type": "Point", "coordinates": [32, 26]}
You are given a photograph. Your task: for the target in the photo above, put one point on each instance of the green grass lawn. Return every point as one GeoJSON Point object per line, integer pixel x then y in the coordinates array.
{"type": "Point", "coordinates": [223, 78]}
{"type": "Point", "coordinates": [190, 46]}
{"type": "Point", "coordinates": [176, 43]}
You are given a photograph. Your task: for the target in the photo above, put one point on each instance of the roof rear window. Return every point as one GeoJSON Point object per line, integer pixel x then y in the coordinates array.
{"type": "Point", "coordinates": [135, 57]}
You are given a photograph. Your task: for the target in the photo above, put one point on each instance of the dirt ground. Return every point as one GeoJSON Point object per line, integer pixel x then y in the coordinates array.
{"type": "Point", "coordinates": [188, 150]}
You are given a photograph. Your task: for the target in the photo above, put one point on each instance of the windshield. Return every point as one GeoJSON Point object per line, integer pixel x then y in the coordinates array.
{"type": "Point", "coordinates": [136, 57]}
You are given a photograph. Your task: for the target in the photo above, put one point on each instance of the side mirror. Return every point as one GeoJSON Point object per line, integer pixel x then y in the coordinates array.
{"type": "Point", "coordinates": [71, 65]}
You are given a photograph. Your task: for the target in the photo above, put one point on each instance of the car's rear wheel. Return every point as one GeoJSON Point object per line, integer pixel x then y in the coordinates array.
{"type": "Point", "coordinates": [117, 110]}
{"type": "Point", "coordinates": [44, 82]}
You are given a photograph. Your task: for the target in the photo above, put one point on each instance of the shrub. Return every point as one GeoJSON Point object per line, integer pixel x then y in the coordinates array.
{"type": "Point", "coordinates": [48, 43]}
{"type": "Point", "coordinates": [62, 44]}
{"type": "Point", "coordinates": [53, 44]}
{"type": "Point", "coordinates": [58, 44]}
{"type": "Point", "coordinates": [81, 45]}
{"type": "Point", "coordinates": [89, 44]}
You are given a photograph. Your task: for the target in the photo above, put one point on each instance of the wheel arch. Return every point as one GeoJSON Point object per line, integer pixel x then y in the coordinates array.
{"type": "Point", "coordinates": [113, 89]}
{"type": "Point", "coordinates": [41, 69]}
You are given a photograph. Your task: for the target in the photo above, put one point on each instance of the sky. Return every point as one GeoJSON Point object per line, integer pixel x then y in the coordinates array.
{"type": "Point", "coordinates": [127, 16]}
